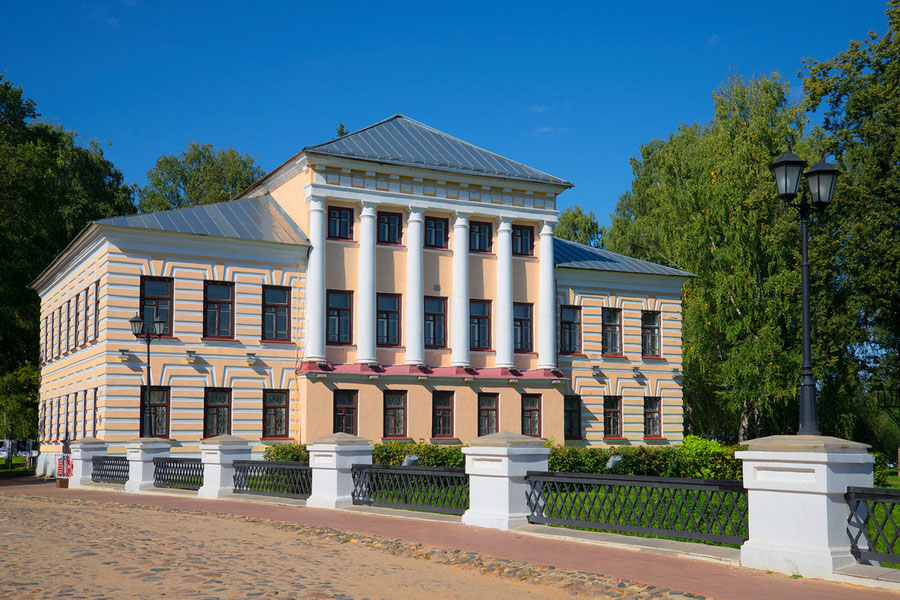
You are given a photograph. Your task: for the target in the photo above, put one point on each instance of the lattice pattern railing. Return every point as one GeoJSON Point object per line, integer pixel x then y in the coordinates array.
{"type": "Point", "coordinates": [873, 525]}
{"type": "Point", "coordinates": [109, 469]}
{"type": "Point", "coordinates": [271, 478]}
{"type": "Point", "coordinates": [418, 488]}
{"type": "Point", "coordinates": [697, 509]}
{"type": "Point", "coordinates": [182, 473]}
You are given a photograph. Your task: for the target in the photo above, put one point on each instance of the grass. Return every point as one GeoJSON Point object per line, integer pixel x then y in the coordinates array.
{"type": "Point", "coordinates": [18, 464]}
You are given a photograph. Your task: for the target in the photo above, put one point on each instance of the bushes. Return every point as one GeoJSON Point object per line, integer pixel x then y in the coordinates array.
{"type": "Point", "coordinates": [391, 453]}
{"type": "Point", "coordinates": [287, 453]}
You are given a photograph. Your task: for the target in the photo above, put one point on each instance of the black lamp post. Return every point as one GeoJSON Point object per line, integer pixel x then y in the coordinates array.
{"type": "Point", "coordinates": [821, 178]}
{"type": "Point", "coordinates": [144, 332]}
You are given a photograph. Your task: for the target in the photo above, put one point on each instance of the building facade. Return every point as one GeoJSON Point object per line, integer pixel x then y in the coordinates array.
{"type": "Point", "coordinates": [396, 283]}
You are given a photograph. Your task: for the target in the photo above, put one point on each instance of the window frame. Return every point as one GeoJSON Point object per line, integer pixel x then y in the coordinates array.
{"type": "Point", "coordinates": [446, 240]}
{"type": "Point", "coordinates": [144, 399]}
{"type": "Point", "coordinates": [659, 422]}
{"type": "Point", "coordinates": [75, 320]}
{"type": "Point", "coordinates": [340, 209]}
{"type": "Point", "coordinates": [520, 229]}
{"type": "Point", "coordinates": [402, 409]}
{"type": "Point", "coordinates": [448, 416]}
{"type": "Point", "coordinates": [532, 410]}
{"type": "Point", "coordinates": [353, 405]}
{"type": "Point", "coordinates": [490, 236]}
{"type": "Point", "coordinates": [569, 326]}
{"type": "Point", "coordinates": [517, 324]}
{"type": "Point", "coordinates": [171, 298]}
{"type": "Point", "coordinates": [618, 413]}
{"type": "Point", "coordinates": [287, 414]}
{"type": "Point", "coordinates": [389, 215]}
{"type": "Point", "coordinates": [426, 315]}
{"type": "Point", "coordinates": [487, 410]}
{"type": "Point", "coordinates": [472, 317]}
{"type": "Point", "coordinates": [572, 414]}
{"type": "Point", "coordinates": [97, 311]}
{"type": "Point", "coordinates": [94, 414]}
{"type": "Point", "coordinates": [68, 306]}
{"type": "Point", "coordinates": [206, 306]}
{"type": "Point", "coordinates": [264, 305]}
{"type": "Point", "coordinates": [398, 316]}
{"type": "Point", "coordinates": [349, 310]}
{"type": "Point", "coordinates": [651, 328]}
{"type": "Point", "coordinates": [617, 327]}
{"type": "Point", "coordinates": [228, 405]}
{"type": "Point", "coordinates": [86, 314]}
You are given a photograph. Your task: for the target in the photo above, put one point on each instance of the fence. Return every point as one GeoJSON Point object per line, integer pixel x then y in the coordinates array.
{"type": "Point", "coordinates": [874, 523]}
{"type": "Point", "coordinates": [109, 469]}
{"type": "Point", "coordinates": [270, 478]}
{"type": "Point", "coordinates": [696, 509]}
{"type": "Point", "coordinates": [433, 489]}
{"type": "Point", "coordinates": [181, 473]}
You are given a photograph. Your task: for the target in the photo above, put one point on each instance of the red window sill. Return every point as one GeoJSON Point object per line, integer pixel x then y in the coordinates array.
{"type": "Point", "coordinates": [337, 239]}
{"type": "Point", "coordinates": [524, 255]}
{"type": "Point", "coordinates": [275, 438]}
{"type": "Point", "coordinates": [438, 248]}
{"type": "Point", "coordinates": [615, 439]}
{"type": "Point", "coordinates": [341, 344]}
{"type": "Point", "coordinates": [217, 339]}
{"type": "Point", "coordinates": [524, 352]}
{"type": "Point", "coordinates": [573, 354]}
{"type": "Point", "coordinates": [656, 439]}
{"type": "Point", "coordinates": [390, 244]}
{"type": "Point", "coordinates": [276, 341]}
{"type": "Point", "coordinates": [575, 439]}
{"type": "Point", "coordinates": [391, 346]}
{"type": "Point", "coordinates": [486, 350]}
{"type": "Point", "coordinates": [613, 356]}
{"type": "Point", "coordinates": [652, 357]}
{"type": "Point", "coordinates": [482, 252]}
{"type": "Point", "coordinates": [436, 347]}
{"type": "Point", "coordinates": [397, 438]}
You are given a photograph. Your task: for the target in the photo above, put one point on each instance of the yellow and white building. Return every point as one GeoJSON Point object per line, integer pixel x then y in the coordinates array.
{"type": "Point", "coordinates": [395, 283]}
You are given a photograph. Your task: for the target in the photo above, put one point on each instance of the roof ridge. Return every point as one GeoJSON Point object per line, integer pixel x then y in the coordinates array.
{"type": "Point", "coordinates": [171, 210]}
{"type": "Point", "coordinates": [352, 133]}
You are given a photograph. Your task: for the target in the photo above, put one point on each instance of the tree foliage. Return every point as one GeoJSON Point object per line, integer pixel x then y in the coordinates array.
{"type": "Point", "coordinates": [199, 175]}
{"type": "Point", "coordinates": [19, 403]}
{"type": "Point", "coordinates": [578, 226]}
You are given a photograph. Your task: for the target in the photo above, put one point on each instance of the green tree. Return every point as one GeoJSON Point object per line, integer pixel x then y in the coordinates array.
{"type": "Point", "coordinates": [341, 130]}
{"type": "Point", "coordinates": [578, 226]}
{"type": "Point", "coordinates": [51, 187]}
{"type": "Point", "coordinates": [19, 403]}
{"type": "Point", "coordinates": [199, 175]}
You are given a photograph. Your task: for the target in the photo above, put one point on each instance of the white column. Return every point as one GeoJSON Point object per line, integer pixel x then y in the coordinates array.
{"type": "Point", "coordinates": [504, 313]}
{"type": "Point", "coordinates": [83, 453]}
{"type": "Point", "coordinates": [315, 282]}
{"type": "Point", "coordinates": [415, 292]}
{"type": "Point", "coordinates": [331, 459]}
{"type": "Point", "coordinates": [546, 302]}
{"type": "Point", "coordinates": [218, 455]}
{"type": "Point", "coordinates": [365, 292]}
{"type": "Point", "coordinates": [140, 453]}
{"type": "Point", "coordinates": [459, 355]}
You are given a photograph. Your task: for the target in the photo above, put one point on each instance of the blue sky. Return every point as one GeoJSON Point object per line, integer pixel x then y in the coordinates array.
{"type": "Point", "coordinates": [571, 89]}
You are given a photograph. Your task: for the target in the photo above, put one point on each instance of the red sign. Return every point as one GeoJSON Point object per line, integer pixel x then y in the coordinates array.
{"type": "Point", "coordinates": [64, 466]}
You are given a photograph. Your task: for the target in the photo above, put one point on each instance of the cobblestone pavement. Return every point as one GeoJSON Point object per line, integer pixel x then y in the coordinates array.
{"type": "Point", "coordinates": [83, 549]}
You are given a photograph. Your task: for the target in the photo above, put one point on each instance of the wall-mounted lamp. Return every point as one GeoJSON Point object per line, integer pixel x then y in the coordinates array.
{"type": "Point", "coordinates": [191, 356]}
{"type": "Point", "coordinates": [251, 358]}
{"type": "Point", "coordinates": [596, 372]}
{"type": "Point", "coordinates": [676, 372]}
{"type": "Point", "coordinates": [124, 354]}
{"type": "Point", "coordinates": [636, 371]}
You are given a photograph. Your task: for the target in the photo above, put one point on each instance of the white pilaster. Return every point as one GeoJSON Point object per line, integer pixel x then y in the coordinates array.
{"type": "Point", "coordinates": [83, 453]}
{"type": "Point", "coordinates": [331, 459]}
{"type": "Point", "coordinates": [504, 328]}
{"type": "Point", "coordinates": [315, 282]}
{"type": "Point", "coordinates": [459, 355]}
{"type": "Point", "coordinates": [140, 453]}
{"type": "Point", "coordinates": [415, 292]}
{"type": "Point", "coordinates": [546, 302]}
{"type": "Point", "coordinates": [365, 293]}
{"type": "Point", "coordinates": [218, 455]}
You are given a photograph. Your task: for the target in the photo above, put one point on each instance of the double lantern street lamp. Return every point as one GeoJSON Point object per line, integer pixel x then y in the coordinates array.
{"type": "Point", "coordinates": [142, 330]}
{"type": "Point", "coordinates": [821, 178]}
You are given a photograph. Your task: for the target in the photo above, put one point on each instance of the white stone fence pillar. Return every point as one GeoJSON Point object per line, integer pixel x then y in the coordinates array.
{"type": "Point", "coordinates": [218, 455]}
{"type": "Point", "coordinates": [496, 465]}
{"type": "Point", "coordinates": [140, 453]}
{"type": "Point", "coordinates": [83, 453]}
{"type": "Point", "coordinates": [797, 511]}
{"type": "Point", "coordinates": [331, 459]}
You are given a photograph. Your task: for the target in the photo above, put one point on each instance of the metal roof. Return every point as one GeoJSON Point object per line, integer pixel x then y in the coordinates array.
{"type": "Point", "coordinates": [400, 140]}
{"type": "Point", "coordinates": [259, 219]}
{"type": "Point", "coordinates": [573, 255]}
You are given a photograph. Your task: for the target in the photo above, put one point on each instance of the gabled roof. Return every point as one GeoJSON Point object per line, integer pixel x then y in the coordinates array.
{"type": "Point", "coordinates": [399, 140]}
{"type": "Point", "coordinates": [573, 255]}
{"type": "Point", "coordinates": [259, 219]}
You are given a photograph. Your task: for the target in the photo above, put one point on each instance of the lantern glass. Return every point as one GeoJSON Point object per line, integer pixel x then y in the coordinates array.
{"type": "Point", "coordinates": [821, 178]}
{"type": "Point", "coordinates": [137, 324]}
{"type": "Point", "coordinates": [787, 169]}
{"type": "Point", "coordinates": [159, 325]}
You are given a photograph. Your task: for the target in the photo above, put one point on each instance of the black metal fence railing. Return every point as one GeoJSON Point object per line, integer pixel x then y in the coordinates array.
{"type": "Point", "coordinates": [874, 523]}
{"type": "Point", "coordinates": [180, 473]}
{"type": "Point", "coordinates": [696, 509]}
{"type": "Point", "coordinates": [109, 469]}
{"type": "Point", "coordinates": [271, 478]}
{"type": "Point", "coordinates": [432, 489]}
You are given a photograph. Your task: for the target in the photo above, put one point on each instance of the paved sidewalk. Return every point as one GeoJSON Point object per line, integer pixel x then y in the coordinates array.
{"type": "Point", "coordinates": [705, 579]}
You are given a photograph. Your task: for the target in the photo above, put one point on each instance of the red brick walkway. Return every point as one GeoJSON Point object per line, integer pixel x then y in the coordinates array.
{"type": "Point", "coordinates": [706, 579]}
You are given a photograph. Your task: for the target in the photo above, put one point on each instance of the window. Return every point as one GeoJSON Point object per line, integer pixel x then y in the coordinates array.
{"type": "Point", "coordinates": [435, 322]}
{"type": "Point", "coordinates": [612, 331]}
{"type": "Point", "coordinates": [650, 333]}
{"type": "Point", "coordinates": [480, 236]}
{"type": "Point", "coordinates": [522, 327]}
{"type": "Point", "coordinates": [652, 416]}
{"type": "Point", "coordinates": [612, 416]}
{"type": "Point", "coordinates": [216, 412]}
{"type": "Point", "coordinates": [154, 412]}
{"type": "Point", "coordinates": [86, 313]}
{"type": "Point", "coordinates": [275, 413]}
{"type": "Point", "coordinates": [276, 313]}
{"type": "Point", "coordinates": [43, 340]}
{"type": "Point", "coordinates": [487, 414]}
{"type": "Point", "coordinates": [436, 232]}
{"type": "Point", "coordinates": [68, 324]}
{"type": "Point", "coordinates": [442, 415]}
{"type": "Point", "coordinates": [522, 240]}
{"type": "Point", "coordinates": [388, 319]}
{"type": "Point", "coordinates": [390, 228]}
{"type": "Point", "coordinates": [480, 324]}
{"type": "Point", "coordinates": [76, 320]}
{"type": "Point", "coordinates": [167, 331]}
{"type": "Point", "coordinates": [394, 414]}
{"type": "Point", "coordinates": [345, 412]}
{"type": "Point", "coordinates": [339, 323]}
{"type": "Point", "coordinates": [569, 329]}
{"type": "Point", "coordinates": [218, 306]}
{"type": "Point", "coordinates": [94, 414]}
{"type": "Point", "coordinates": [156, 301]}
{"type": "Point", "coordinates": [340, 223]}
{"type": "Point", "coordinates": [572, 417]}
{"type": "Point", "coordinates": [531, 415]}
{"type": "Point", "coordinates": [57, 329]}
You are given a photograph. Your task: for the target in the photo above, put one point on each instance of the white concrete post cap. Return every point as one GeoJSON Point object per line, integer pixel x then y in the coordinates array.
{"type": "Point", "coordinates": [148, 442]}
{"type": "Point", "coordinates": [507, 439]}
{"type": "Point", "coordinates": [806, 443]}
{"type": "Point", "coordinates": [88, 441]}
{"type": "Point", "coordinates": [225, 440]}
{"type": "Point", "coordinates": [340, 439]}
